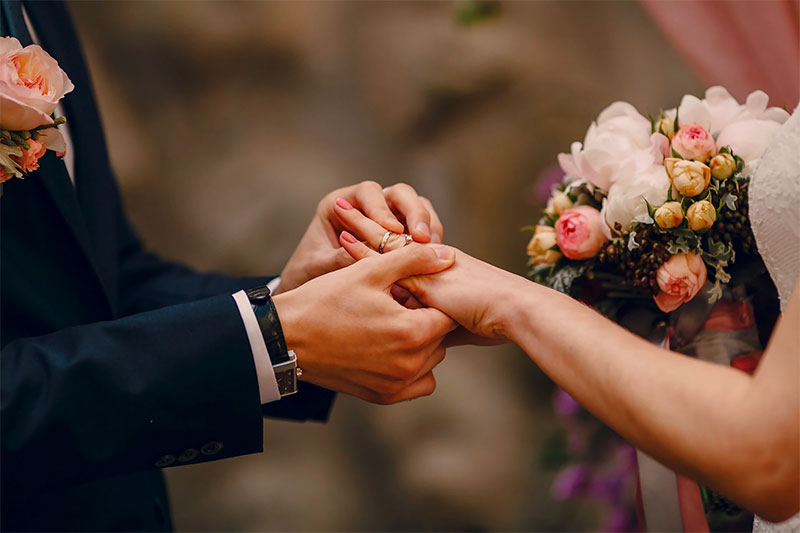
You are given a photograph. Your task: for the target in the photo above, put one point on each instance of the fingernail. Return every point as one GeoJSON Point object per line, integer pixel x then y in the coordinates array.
{"type": "Point", "coordinates": [424, 229]}
{"type": "Point", "coordinates": [445, 253]}
{"type": "Point", "coordinates": [344, 204]}
{"type": "Point", "coordinates": [436, 238]}
{"type": "Point", "coordinates": [346, 235]}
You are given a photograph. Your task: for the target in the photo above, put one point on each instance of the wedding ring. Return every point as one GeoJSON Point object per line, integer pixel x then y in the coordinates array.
{"type": "Point", "coordinates": [407, 239]}
{"type": "Point", "coordinates": [383, 241]}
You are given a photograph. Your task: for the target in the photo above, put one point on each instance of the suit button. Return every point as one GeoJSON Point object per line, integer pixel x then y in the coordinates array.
{"type": "Point", "coordinates": [210, 448]}
{"type": "Point", "coordinates": [165, 460]}
{"type": "Point", "coordinates": [188, 454]}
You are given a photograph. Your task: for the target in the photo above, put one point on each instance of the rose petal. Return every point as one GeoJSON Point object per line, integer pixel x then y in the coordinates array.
{"type": "Point", "coordinates": [54, 140]}
{"type": "Point", "coordinates": [14, 115]}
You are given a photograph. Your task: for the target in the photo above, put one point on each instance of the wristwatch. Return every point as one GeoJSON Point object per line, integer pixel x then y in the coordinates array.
{"type": "Point", "coordinates": [284, 362]}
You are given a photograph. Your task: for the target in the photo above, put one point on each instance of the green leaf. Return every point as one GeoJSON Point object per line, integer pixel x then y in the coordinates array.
{"type": "Point", "coordinates": [632, 244]}
{"type": "Point", "coordinates": [8, 164]}
{"type": "Point", "coordinates": [729, 201]}
{"type": "Point", "coordinates": [675, 127]}
{"type": "Point", "coordinates": [676, 154]}
{"type": "Point", "coordinates": [679, 246]}
{"type": "Point", "coordinates": [563, 278]}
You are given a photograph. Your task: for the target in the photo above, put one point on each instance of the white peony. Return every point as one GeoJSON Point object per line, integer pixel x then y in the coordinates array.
{"type": "Point", "coordinates": [618, 145]}
{"type": "Point", "coordinates": [626, 198]}
{"type": "Point", "coordinates": [719, 110]}
{"type": "Point", "coordinates": [749, 138]}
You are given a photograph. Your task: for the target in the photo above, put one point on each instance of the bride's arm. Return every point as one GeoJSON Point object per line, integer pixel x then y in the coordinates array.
{"type": "Point", "coordinates": [732, 432]}
{"type": "Point", "coordinates": [715, 424]}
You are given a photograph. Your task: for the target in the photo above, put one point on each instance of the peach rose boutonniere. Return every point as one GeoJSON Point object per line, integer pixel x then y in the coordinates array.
{"type": "Point", "coordinates": [31, 86]}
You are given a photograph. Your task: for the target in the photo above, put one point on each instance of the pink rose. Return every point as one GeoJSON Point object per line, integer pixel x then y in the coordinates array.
{"type": "Point", "coordinates": [694, 142]}
{"type": "Point", "coordinates": [680, 279]}
{"type": "Point", "coordinates": [29, 160]}
{"type": "Point", "coordinates": [579, 232]}
{"type": "Point", "coordinates": [31, 85]}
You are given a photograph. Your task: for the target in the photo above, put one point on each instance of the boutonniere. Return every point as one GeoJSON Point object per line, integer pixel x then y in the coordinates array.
{"type": "Point", "coordinates": [31, 85]}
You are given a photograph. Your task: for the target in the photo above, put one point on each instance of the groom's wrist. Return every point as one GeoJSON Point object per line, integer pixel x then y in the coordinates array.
{"type": "Point", "coordinates": [284, 361]}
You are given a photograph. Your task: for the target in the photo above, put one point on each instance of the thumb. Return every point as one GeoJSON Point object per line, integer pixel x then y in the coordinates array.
{"type": "Point", "coordinates": [412, 260]}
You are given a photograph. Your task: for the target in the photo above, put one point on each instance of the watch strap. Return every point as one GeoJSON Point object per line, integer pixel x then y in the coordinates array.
{"type": "Point", "coordinates": [269, 323]}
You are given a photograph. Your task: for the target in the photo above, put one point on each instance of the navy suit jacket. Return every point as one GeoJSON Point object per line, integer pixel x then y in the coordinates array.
{"type": "Point", "coordinates": [114, 362]}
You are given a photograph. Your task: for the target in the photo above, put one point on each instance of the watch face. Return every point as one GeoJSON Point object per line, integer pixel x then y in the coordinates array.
{"type": "Point", "coordinates": [287, 381]}
{"type": "Point", "coordinates": [258, 295]}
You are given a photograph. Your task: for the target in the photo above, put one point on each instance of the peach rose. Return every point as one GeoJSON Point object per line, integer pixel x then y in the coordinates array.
{"type": "Point", "coordinates": [579, 232]}
{"type": "Point", "coordinates": [669, 215]}
{"type": "Point", "coordinates": [690, 178]}
{"type": "Point", "coordinates": [29, 160]}
{"type": "Point", "coordinates": [722, 166]}
{"type": "Point", "coordinates": [540, 248]}
{"type": "Point", "coordinates": [701, 215]}
{"type": "Point", "coordinates": [31, 85]}
{"type": "Point", "coordinates": [680, 279]}
{"type": "Point", "coordinates": [694, 142]}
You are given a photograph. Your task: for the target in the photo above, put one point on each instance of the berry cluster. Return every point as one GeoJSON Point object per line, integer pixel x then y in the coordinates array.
{"type": "Point", "coordinates": [639, 265]}
{"type": "Point", "coordinates": [733, 226]}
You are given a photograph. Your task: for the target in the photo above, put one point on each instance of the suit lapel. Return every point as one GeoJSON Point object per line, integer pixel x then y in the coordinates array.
{"type": "Point", "coordinates": [52, 172]}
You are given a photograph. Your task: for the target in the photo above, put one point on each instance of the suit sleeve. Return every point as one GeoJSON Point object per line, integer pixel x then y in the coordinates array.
{"type": "Point", "coordinates": [147, 282]}
{"type": "Point", "coordinates": [130, 394]}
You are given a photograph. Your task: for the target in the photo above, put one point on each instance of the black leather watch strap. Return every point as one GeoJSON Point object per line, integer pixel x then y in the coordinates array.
{"type": "Point", "coordinates": [270, 324]}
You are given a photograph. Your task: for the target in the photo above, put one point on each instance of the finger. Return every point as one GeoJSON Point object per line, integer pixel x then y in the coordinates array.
{"type": "Point", "coordinates": [368, 197]}
{"type": "Point", "coordinates": [429, 326]}
{"type": "Point", "coordinates": [432, 361]}
{"type": "Point", "coordinates": [412, 260]}
{"type": "Point", "coordinates": [405, 298]}
{"type": "Point", "coordinates": [405, 200]}
{"type": "Point", "coordinates": [462, 337]}
{"type": "Point", "coordinates": [424, 386]}
{"type": "Point", "coordinates": [353, 220]}
{"type": "Point", "coordinates": [356, 249]}
{"type": "Point", "coordinates": [437, 229]}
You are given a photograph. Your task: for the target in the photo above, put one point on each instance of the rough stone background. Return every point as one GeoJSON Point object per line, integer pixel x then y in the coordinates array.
{"type": "Point", "coordinates": [228, 122]}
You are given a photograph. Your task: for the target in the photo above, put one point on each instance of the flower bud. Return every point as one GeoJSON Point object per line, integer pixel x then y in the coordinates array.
{"type": "Point", "coordinates": [689, 178]}
{"type": "Point", "coordinates": [694, 142]}
{"type": "Point", "coordinates": [669, 215]}
{"type": "Point", "coordinates": [558, 203]}
{"type": "Point", "coordinates": [666, 126]}
{"type": "Point", "coordinates": [539, 247]}
{"type": "Point", "coordinates": [723, 166]}
{"type": "Point", "coordinates": [701, 215]}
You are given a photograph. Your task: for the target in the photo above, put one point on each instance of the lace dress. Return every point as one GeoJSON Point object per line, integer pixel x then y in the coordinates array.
{"type": "Point", "coordinates": [775, 218]}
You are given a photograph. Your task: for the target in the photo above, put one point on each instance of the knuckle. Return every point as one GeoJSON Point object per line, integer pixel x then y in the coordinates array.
{"type": "Point", "coordinates": [405, 370]}
{"type": "Point", "coordinates": [370, 185]}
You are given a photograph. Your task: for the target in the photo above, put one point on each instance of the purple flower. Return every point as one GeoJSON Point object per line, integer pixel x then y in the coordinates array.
{"type": "Point", "coordinates": [570, 482]}
{"type": "Point", "coordinates": [619, 520]}
{"type": "Point", "coordinates": [545, 182]}
{"type": "Point", "coordinates": [564, 404]}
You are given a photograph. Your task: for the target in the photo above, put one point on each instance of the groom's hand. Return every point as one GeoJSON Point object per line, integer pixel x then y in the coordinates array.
{"type": "Point", "coordinates": [350, 335]}
{"type": "Point", "coordinates": [397, 208]}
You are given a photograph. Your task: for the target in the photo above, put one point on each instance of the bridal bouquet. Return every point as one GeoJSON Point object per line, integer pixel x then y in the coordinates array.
{"type": "Point", "coordinates": [653, 207]}
{"type": "Point", "coordinates": [650, 226]}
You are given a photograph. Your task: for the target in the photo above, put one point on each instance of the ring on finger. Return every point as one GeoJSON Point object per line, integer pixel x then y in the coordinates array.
{"type": "Point", "coordinates": [407, 239]}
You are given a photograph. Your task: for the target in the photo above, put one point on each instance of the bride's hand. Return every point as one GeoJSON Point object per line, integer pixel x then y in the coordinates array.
{"type": "Point", "coordinates": [471, 292]}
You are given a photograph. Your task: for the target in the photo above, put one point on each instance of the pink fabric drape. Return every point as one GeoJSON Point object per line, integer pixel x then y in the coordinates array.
{"type": "Point", "coordinates": [742, 45]}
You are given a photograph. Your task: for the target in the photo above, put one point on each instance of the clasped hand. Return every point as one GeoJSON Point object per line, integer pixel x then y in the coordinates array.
{"type": "Point", "coordinates": [349, 333]}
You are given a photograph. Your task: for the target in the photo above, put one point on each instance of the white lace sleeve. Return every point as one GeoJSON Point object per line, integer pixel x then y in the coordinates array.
{"type": "Point", "coordinates": [775, 207]}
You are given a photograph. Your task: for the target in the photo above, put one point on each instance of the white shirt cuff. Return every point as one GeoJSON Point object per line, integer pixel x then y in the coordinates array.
{"type": "Point", "coordinates": [267, 384]}
{"type": "Point", "coordinates": [274, 284]}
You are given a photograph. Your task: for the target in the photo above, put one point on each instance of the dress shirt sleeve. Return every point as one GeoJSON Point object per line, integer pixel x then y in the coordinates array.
{"type": "Point", "coordinates": [267, 384]}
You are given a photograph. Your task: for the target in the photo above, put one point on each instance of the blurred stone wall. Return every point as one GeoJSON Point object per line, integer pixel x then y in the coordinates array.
{"type": "Point", "coordinates": [228, 122]}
